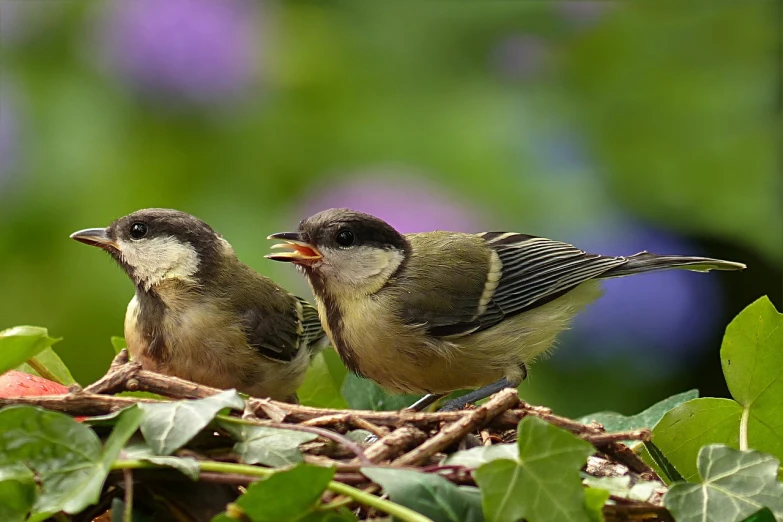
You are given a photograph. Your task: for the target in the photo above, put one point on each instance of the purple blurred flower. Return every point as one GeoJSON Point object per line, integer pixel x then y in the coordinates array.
{"type": "Point", "coordinates": [408, 204]}
{"type": "Point", "coordinates": [519, 56]}
{"type": "Point", "coordinates": [654, 317]}
{"type": "Point", "coordinates": [583, 13]}
{"type": "Point", "coordinates": [8, 136]}
{"type": "Point", "coordinates": [203, 51]}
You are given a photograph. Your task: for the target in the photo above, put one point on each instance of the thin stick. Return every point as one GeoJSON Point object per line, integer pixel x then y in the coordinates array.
{"type": "Point", "coordinates": [127, 515]}
{"type": "Point", "coordinates": [395, 443]}
{"type": "Point", "coordinates": [499, 403]}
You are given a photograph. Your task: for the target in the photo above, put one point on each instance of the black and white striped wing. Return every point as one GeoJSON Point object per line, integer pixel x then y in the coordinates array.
{"type": "Point", "coordinates": [312, 331]}
{"type": "Point", "coordinates": [534, 271]}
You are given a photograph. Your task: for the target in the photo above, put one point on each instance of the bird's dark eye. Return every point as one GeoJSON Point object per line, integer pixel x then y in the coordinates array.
{"type": "Point", "coordinates": [344, 238]}
{"type": "Point", "coordinates": [138, 230]}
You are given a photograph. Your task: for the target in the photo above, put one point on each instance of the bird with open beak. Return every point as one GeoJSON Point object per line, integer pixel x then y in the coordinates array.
{"type": "Point", "coordinates": [200, 314]}
{"type": "Point", "coordinates": [441, 311]}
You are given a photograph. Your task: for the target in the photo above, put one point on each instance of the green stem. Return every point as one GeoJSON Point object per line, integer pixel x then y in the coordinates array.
{"type": "Point", "coordinates": [743, 433]}
{"type": "Point", "coordinates": [43, 371]}
{"type": "Point", "coordinates": [390, 508]}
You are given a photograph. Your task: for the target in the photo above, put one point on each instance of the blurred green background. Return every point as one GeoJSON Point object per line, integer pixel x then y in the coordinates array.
{"type": "Point", "coordinates": [618, 126]}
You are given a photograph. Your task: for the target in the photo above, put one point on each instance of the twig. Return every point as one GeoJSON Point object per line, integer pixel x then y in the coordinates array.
{"type": "Point", "coordinates": [605, 438]}
{"type": "Point", "coordinates": [363, 424]}
{"type": "Point", "coordinates": [625, 510]}
{"type": "Point", "coordinates": [624, 455]}
{"type": "Point", "coordinates": [127, 515]}
{"type": "Point", "coordinates": [395, 443]}
{"type": "Point", "coordinates": [226, 478]}
{"type": "Point", "coordinates": [499, 403]}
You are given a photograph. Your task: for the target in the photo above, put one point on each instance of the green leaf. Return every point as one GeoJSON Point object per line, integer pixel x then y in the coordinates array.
{"type": "Point", "coordinates": [594, 503]}
{"type": "Point", "coordinates": [17, 492]}
{"type": "Point", "coordinates": [127, 424]}
{"type": "Point", "coordinates": [19, 344]}
{"type": "Point", "coordinates": [65, 455]}
{"type": "Point", "coordinates": [652, 455]}
{"type": "Point", "coordinates": [686, 429]}
{"type": "Point", "coordinates": [364, 394]}
{"type": "Point", "coordinates": [48, 365]}
{"type": "Point", "coordinates": [139, 450]}
{"type": "Point", "coordinates": [168, 426]}
{"type": "Point", "coordinates": [475, 457]}
{"type": "Point", "coordinates": [431, 495]}
{"type": "Point", "coordinates": [118, 343]}
{"type": "Point", "coordinates": [268, 446]}
{"type": "Point", "coordinates": [752, 361]}
{"type": "Point", "coordinates": [765, 515]}
{"type": "Point", "coordinates": [621, 486]}
{"type": "Point", "coordinates": [614, 422]}
{"type": "Point", "coordinates": [286, 496]}
{"type": "Point", "coordinates": [734, 485]}
{"type": "Point", "coordinates": [321, 387]}
{"type": "Point", "coordinates": [543, 483]}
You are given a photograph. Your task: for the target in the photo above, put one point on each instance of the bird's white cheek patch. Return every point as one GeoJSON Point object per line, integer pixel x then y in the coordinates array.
{"type": "Point", "coordinates": [158, 259]}
{"type": "Point", "coordinates": [361, 270]}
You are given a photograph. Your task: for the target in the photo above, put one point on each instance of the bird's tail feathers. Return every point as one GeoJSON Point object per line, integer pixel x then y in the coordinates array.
{"type": "Point", "coordinates": [647, 262]}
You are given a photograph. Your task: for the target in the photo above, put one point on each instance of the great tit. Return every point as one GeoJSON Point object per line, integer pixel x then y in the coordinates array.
{"type": "Point", "coordinates": [441, 311]}
{"type": "Point", "coordinates": [200, 314]}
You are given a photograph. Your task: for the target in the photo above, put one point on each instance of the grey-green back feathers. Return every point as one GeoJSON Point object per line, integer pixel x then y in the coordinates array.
{"type": "Point", "coordinates": [473, 282]}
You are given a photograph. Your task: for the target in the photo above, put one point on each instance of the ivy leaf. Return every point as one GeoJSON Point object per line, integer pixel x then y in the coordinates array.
{"type": "Point", "coordinates": [65, 455]}
{"type": "Point", "coordinates": [139, 450]}
{"type": "Point", "coordinates": [752, 362]}
{"type": "Point", "coordinates": [475, 457]}
{"type": "Point", "coordinates": [168, 426]}
{"type": "Point", "coordinates": [268, 446]}
{"type": "Point", "coordinates": [364, 394]}
{"type": "Point", "coordinates": [614, 422]}
{"type": "Point", "coordinates": [17, 492]}
{"type": "Point", "coordinates": [542, 483]}
{"type": "Point", "coordinates": [19, 344]}
{"type": "Point", "coordinates": [686, 429]}
{"type": "Point", "coordinates": [594, 503]}
{"type": "Point", "coordinates": [321, 386]}
{"type": "Point", "coordinates": [286, 496]}
{"type": "Point", "coordinates": [431, 495]}
{"type": "Point", "coordinates": [734, 485]}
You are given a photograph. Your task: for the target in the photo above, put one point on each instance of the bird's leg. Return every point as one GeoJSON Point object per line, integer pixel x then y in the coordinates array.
{"type": "Point", "coordinates": [483, 392]}
{"type": "Point", "coordinates": [430, 398]}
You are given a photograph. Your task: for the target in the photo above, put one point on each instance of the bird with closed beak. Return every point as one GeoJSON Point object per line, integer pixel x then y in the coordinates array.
{"type": "Point", "coordinates": [200, 314]}
{"type": "Point", "coordinates": [442, 311]}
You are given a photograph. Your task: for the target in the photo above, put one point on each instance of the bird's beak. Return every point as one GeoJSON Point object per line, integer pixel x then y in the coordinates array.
{"type": "Point", "coordinates": [96, 237]}
{"type": "Point", "coordinates": [301, 252]}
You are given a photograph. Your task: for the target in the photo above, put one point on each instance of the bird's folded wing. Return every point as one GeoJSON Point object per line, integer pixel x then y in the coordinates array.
{"type": "Point", "coordinates": [524, 273]}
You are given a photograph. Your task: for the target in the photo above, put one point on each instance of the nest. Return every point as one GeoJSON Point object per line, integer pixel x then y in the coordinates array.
{"type": "Point", "coordinates": [397, 439]}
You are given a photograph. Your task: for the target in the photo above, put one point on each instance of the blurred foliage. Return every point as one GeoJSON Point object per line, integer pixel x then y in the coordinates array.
{"type": "Point", "coordinates": [667, 104]}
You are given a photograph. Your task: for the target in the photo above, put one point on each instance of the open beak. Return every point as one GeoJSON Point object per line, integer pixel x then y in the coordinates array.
{"type": "Point", "coordinates": [300, 252]}
{"type": "Point", "coordinates": [96, 237]}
